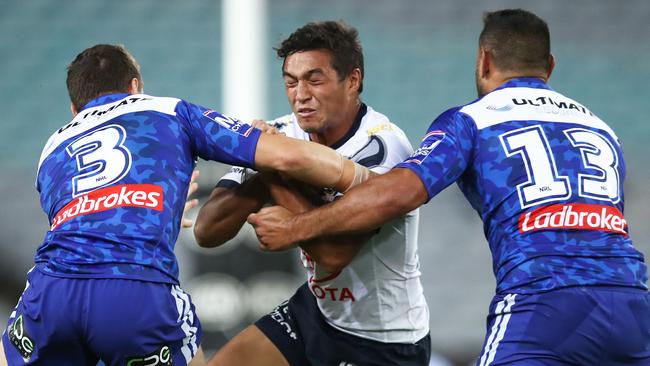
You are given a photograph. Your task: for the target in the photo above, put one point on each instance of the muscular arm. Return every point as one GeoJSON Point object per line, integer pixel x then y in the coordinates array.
{"type": "Point", "coordinates": [332, 253]}
{"type": "Point", "coordinates": [363, 208]}
{"type": "Point", "coordinates": [221, 217]}
{"type": "Point", "coordinates": [306, 161]}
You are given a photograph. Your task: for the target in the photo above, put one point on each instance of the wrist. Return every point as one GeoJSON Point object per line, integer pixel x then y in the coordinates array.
{"type": "Point", "coordinates": [299, 225]}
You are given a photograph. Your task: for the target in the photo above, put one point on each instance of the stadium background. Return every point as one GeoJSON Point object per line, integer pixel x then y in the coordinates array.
{"type": "Point", "coordinates": [419, 61]}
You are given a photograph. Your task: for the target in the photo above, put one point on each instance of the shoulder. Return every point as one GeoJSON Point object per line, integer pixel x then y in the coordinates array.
{"type": "Point", "coordinates": [165, 105]}
{"type": "Point", "coordinates": [377, 124]}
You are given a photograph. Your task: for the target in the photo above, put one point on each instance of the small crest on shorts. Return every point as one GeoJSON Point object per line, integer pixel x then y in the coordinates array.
{"type": "Point", "coordinates": [19, 337]}
{"type": "Point", "coordinates": [160, 357]}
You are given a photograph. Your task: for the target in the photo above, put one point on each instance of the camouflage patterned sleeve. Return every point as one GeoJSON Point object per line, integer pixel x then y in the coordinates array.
{"type": "Point", "coordinates": [214, 136]}
{"type": "Point", "coordinates": [444, 153]}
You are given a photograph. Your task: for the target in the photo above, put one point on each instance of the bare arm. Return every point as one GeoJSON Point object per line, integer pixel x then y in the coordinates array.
{"type": "Point", "coordinates": [363, 208]}
{"type": "Point", "coordinates": [221, 217]}
{"type": "Point", "coordinates": [307, 161]}
{"type": "Point", "coordinates": [332, 253]}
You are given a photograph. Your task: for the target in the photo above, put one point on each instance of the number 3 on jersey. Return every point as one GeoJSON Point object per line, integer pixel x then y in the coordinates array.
{"type": "Point", "coordinates": [544, 184]}
{"type": "Point", "coordinates": [102, 158]}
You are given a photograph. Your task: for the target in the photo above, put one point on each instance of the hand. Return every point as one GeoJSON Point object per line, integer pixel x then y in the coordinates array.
{"type": "Point", "coordinates": [261, 124]}
{"type": "Point", "coordinates": [272, 228]}
{"type": "Point", "coordinates": [190, 203]}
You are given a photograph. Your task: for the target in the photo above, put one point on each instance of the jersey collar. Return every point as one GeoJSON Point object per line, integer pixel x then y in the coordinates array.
{"type": "Point", "coordinates": [104, 99]}
{"type": "Point", "coordinates": [353, 129]}
{"type": "Point", "coordinates": [525, 82]}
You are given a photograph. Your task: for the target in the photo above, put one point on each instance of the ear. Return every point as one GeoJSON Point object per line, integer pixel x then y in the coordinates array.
{"type": "Point", "coordinates": [135, 87]}
{"type": "Point", "coordinates": [355, 78]}
{"type": "Point", "coordinates": [73, 110]}
{"type": "Point", "coordinates": [484, 63]}
{"type": "Point", "coordinates": [551, 66]}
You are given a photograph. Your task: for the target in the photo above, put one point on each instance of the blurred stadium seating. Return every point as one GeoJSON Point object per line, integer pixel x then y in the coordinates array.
{"type": "Point", "coordinates": [419, 61]}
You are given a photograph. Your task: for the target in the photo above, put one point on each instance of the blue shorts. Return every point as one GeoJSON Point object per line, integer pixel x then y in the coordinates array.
{"type": "Point", "coordinates": [299, 330]}
{"type": "Point", "coordinates": [72, 321]}
{"type": "Point", "coordinates": [570, 326]}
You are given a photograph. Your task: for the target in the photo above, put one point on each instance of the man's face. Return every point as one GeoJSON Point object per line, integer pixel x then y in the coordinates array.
{"type": "Point", "coordinates": [317, 97]}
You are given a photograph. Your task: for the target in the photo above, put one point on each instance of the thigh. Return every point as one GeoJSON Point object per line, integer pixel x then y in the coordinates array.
{"type": "Point", "coordinates": [142, 323]}
{"type": "Point", "coordinates": [250, 347]}
{"type": "Point", "coordinates": [44, 326]}
{"type": "Point", "coordinates": [303, 335]}
{"type": "Point", "coordinates": [561, 327]}
{"type": "Point", "coordinates": [629, 343]}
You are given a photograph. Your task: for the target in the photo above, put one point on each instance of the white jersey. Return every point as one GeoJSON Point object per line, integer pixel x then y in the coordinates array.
{"type": "Point", "coordinates": [378, 295]}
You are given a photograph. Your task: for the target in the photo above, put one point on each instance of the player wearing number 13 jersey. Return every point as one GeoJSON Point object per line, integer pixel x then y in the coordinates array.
{"type": "Point", "coordinates": [113, 183]}
{"type": "Point", "coordinates": [546, 177]}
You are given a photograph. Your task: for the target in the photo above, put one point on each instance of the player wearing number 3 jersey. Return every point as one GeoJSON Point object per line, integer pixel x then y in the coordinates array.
{"type": "Point", "coordinates": [113, 183]}
{"type": "Point", "coordinates": [546, 176]}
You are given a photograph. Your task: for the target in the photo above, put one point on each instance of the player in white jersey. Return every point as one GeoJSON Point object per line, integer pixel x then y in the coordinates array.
{"type": "Point", "coordinates": [546, 177]}
{"type": "Point", "coordinates": [363, 300]}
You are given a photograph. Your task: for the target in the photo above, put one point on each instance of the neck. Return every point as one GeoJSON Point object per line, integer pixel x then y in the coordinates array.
{"type": "Point", "coordinates": [501, 78]}
{"type": "Point", "coordinates": [332, 135]}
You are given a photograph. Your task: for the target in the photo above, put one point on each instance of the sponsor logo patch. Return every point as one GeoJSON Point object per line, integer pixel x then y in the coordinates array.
{"type": "Point", "coordinates": [429, 143]}
{"type": "Point", "coordinates": [232, 124]}
{"type": "Point", "coordinates": [160, 357]}
{"type": "Point", "coordinates": [18, 336]}
{"type": "Point", "coordinates": [574, 216]}
{"type": "Point", "coordinates": [123, 195]}
{"type": "Point", "coordinates": [281, 315]}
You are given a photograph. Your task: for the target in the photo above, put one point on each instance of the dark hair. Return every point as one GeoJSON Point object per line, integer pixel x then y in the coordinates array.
{"type": "Point", "coordinates": [99, 70]}
{"type": "Point", "coordinates": [517, 40]}
{"type": "Point", "coordinates": [341, 40]}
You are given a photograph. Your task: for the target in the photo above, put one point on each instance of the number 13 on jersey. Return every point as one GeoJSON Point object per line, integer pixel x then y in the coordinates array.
{"type": "Point", "coordinates": [544, 184]}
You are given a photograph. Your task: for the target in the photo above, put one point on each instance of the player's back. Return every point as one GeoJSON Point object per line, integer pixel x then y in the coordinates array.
{"type": "Point", "coordinates": [114, 180]}
{"type": "Point", "coordinates": [546, 176]}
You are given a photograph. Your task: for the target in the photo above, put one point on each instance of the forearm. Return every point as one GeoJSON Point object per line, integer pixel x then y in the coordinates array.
{"type": "Point", "coordinates": [364, 208]}
{"type": "Point", "coordinates": [221, 218]}
{"type": "Point", "coordinates": [306, 161]}
{"type": "Point", "coordinates": [332, 253]}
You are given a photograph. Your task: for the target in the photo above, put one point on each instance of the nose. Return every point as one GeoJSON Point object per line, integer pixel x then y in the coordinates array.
{"type": "Point", "coordinates": [302, 91]}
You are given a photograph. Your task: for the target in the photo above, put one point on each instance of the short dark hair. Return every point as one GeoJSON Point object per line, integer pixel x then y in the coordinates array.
{"type": "Point", "coordinates": [517, 40]}
{"type": "Point", "coordinates": [99, 70]}
{"type": "Point", "coordinates": [340, 39]}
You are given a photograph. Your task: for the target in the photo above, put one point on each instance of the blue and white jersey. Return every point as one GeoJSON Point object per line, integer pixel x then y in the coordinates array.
{"type": "Point", "coordinates": [546, 176]}
{"type": "Point", "coordinates": [113, 183]}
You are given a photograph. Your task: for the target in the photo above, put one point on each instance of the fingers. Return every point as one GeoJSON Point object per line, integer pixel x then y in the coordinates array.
{"type": "Point", "coordinates": [265, 127]}
{"type": "Point", "coordinates": [194, 186]}
{"type": "Point", "coordinates": [190, 203]}
{"type": "Point", "coordinates": [185, 222]}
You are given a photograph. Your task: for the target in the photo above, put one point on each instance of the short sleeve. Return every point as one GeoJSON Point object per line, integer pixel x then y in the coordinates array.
{"type": "Point", "coordinates": [445, 151]}
{"type": "Point", "coordinates": [214, 136]}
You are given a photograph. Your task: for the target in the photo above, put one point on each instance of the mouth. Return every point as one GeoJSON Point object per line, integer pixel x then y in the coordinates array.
{"type": "Point", "coordinates": [306, 112]}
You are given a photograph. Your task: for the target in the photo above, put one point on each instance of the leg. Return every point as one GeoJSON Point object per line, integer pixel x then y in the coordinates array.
{"type": "Point", "coordinates": [250, 347]}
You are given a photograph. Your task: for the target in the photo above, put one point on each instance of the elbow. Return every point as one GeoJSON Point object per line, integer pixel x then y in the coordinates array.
{"type": "Point", "coordinates": [291, 156]}
{"type": "Point", "coordinates": [288, 162]}
{"type": "Point", "coordinates": [205, 238]}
